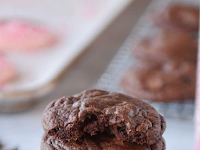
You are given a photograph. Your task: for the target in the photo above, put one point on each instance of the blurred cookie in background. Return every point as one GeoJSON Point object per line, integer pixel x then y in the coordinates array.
{"type": "Point", "coordinates": [171, 81]}
{"type": "Point", "coordinates": [21, 35]}
{"type": "Point", "coordinates": [7, 71]}
{"type": "Point", "coordinates": [179, 16]}
{"type": "Point", "coordinates": [166, 45]}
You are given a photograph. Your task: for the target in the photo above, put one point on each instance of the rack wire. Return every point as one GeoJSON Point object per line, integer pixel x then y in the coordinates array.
{"type": "Point", "coordinates": [123, 61]}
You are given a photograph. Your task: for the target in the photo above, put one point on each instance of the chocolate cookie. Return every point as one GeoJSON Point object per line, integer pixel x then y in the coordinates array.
{"type": "Point", "coordinates": [97, 143]}
{"type": "Point", "coordinates": [165, 82]}
{"type": "Point", "coordinates": [95, 111]}
{"type": "Point", "coordinates": [179, 16]}
{"type": "Point", "coordinates": [167, 45]}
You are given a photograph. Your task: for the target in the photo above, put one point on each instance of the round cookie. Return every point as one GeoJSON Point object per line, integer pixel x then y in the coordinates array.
{"type": "Point", "coordinates": [179, 16]}
{"type": "Point", "coordinates": [165, 82]}
{"type": "Point", "coordinates": [19, 35]}
{"type": "Point", "coordinates": [7, 70]}
{"type": "Point", "coordinates": [96, 143]}
{"type": "Point", "coordinates": [167, 45]}
{"type": "Point", "coordinates": [96, 111]}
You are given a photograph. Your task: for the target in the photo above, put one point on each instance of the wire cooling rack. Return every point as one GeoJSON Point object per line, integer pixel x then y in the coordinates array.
{"type": "Point", "coordinates": [123, 61]}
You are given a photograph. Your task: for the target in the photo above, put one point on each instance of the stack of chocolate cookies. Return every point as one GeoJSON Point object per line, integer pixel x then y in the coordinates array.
{"type": "Point", "coordinates": [101, 120]}
{"type": "Point", "coordinates": [167, 60]}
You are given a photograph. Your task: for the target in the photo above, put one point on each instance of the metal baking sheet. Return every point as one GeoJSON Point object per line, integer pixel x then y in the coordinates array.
{"type": "Point", "coordinates": [77, 24]}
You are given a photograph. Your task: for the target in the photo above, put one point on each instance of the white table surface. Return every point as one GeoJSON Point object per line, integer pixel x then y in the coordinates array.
{"type": "Point", "coordinates": [24, 129]}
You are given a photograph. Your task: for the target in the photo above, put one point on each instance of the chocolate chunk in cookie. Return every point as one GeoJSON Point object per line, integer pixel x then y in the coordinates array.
{"type": "Point", "coordinates": [167, 45]}
{"type": "Point", "coordinates": [102, 142]}
{"type": "Point", "coordinates": [179, 16]}
{"type": "Point", "coordinates": [163, 82]}
{"type": "Point", "coordinates": [96, 111]}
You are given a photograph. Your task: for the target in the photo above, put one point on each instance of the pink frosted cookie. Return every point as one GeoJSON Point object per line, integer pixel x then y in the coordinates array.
{"type": "Point", "coordinates": [7, 71]}
{"type": "Point", "coordinates": [19, 35]}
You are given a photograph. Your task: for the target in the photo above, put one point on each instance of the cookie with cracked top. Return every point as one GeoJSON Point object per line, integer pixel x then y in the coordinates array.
{"type": "Point", "coordinates": [97, 143]}
{"type": "Point", "coordinates": [167, 45]}
{"type": "Point", "coordinates": [161, 82]}
{"type": "Point", "coordinates": [179, 16]}
{"type": "Point", "coordinates": [95, 111]}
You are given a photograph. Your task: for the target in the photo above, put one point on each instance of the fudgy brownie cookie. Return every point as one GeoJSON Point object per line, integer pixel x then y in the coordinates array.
{"type": "Point", "coordinates": [179, 16]}
{"type": "Point", "coordinates": [95, 111]}
{"type": "Point", "coordinates": [167, 45]}
{"type": "Point", "coordinates": [104, 142]}
{"type": "Point", "coordinates": [162, 82]}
